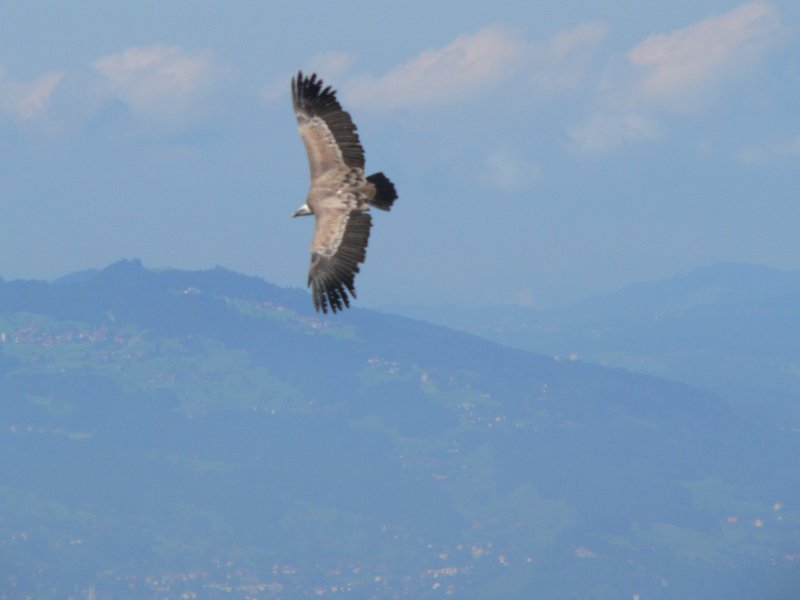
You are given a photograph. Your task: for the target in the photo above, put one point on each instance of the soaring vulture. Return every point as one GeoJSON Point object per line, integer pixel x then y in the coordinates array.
{"type": "Point", "coordinates": [339, 196]}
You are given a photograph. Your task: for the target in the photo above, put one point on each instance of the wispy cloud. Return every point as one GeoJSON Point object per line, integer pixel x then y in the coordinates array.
{"type": "Point", "coordinates": [604, 132]}
{"type": "Point", "coordinates": [159, 83]}
{"type": "Point", "coordinates": [473, 63]}
{"type": "Point", "coordinates": [509, 171]}
{"type": "Point", "coordinates": [774, 152]}
{"type": "Point", "coordinates": [26, 100]}
{"type": "Point", "coordinates": [562, 63]}
{"type": "Point", "coordinates": [467, 65]}
{"type": "Point", "coordinates": [667, 73]}
{"type": "Point", "coordinates": [678, 70]}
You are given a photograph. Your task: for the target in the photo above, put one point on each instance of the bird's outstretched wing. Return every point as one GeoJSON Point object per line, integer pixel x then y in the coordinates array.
{"type": "Point", "coordinates": [338, 248]}
{"type": "Point", "coordinates": [327, 130]}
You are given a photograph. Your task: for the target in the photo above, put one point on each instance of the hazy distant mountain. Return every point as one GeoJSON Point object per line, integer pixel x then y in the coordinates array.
{"type": "Point", "coordinates": [170, 432]}
{"type": "Point", "coordinates": [723, 284]}
{"type": "Point", "coordinates": [730, 328]}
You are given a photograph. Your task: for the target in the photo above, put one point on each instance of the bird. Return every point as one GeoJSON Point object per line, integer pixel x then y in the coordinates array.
{"type": "Point", "coordinates": [339, 194]}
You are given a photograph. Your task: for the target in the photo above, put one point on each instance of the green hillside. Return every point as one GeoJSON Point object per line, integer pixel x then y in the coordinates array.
{"type": "Point", "coordinates": [166, 433]}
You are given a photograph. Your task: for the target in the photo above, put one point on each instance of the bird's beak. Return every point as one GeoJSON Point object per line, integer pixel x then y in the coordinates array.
{"type": "Point", "coordinates": [302, 211]}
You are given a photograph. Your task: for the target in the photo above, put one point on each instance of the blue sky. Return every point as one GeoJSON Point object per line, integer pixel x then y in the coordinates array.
{"type": "Point", "coordinates": [543, 151]}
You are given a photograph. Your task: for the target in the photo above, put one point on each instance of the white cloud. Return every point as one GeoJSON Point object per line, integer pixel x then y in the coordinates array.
{"type": "Point", "coordinates": [159, 83]}
{"type": "Point", "coordinates": [604, 132]}
{"type": "Point", "coordinates": [561, 65]}
{"type": "Point", "coordinates": [467, 65]}
{"type": "Point", "coordinates": [508, 171]}
{"type": "Point", "coordinates": [29, 99]}
{"type": "Point", "coordinates": [473, 63]}
{"type": "Point", "coordinates": [774, 152]}
{"type": "Point", "coordinates": [678, 70]}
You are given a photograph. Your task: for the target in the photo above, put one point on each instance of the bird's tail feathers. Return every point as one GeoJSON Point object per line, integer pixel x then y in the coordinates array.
{"type": "Point", "coordinates": [385, 194]}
